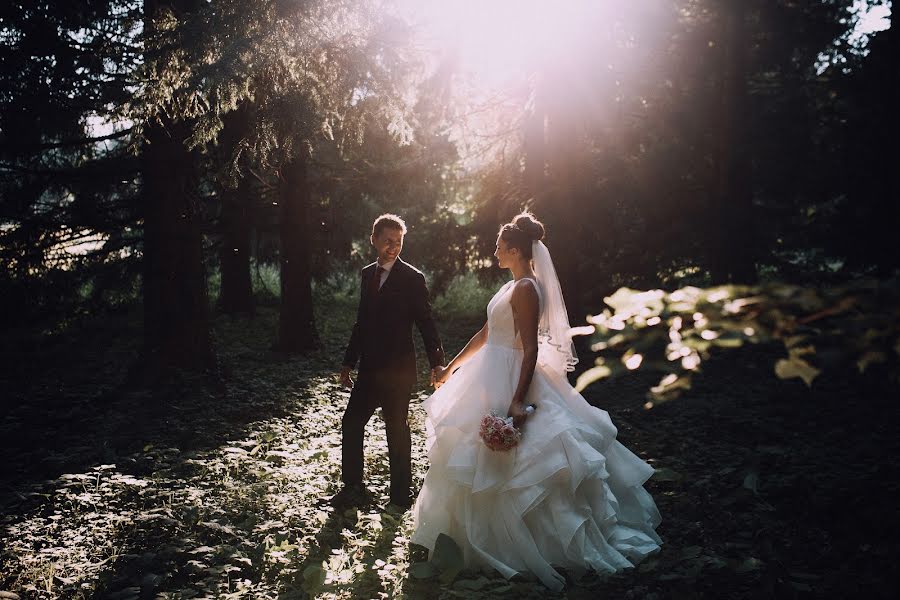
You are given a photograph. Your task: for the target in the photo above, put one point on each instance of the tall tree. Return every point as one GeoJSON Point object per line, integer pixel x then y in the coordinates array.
{"type": "Point", "coordinates": [176, 307]}
{"type": "Point", "coordinates": [732, 256]}
{"type": "Point", "coordinates": [235, 216]}
{"type": "Point", "coordinates": [318, 74]}
{"type": "Point", "coordinates": [296, 326]}
{"type": "Point", "coordinates": [67, 219]}
{"type": "Point", "coordinates": [864, 137]}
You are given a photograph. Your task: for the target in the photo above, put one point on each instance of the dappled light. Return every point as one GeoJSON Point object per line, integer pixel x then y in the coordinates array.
{"type": "Point", "coordinates": [219, 218]}
{"type": "Point", "coordinates": [634, 361]}
{"type": "Point", "coordinates": [241, 511]}
{"type": "Point", "coordinates": [211, 522]}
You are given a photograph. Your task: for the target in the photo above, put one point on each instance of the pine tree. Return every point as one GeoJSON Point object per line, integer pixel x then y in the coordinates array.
{"type": "Point", "coordinates": [176, 308]}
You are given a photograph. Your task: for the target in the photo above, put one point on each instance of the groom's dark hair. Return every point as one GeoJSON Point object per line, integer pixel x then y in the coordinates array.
{"type": "Point", "coordinates": [388, 220]}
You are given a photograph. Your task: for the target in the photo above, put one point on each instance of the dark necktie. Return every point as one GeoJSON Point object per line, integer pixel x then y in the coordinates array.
{"type": "Point", "coordinates": [376, 281]}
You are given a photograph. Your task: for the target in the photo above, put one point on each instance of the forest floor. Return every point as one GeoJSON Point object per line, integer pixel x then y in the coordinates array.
{"type": "Point", "coordinates": [191, 490]}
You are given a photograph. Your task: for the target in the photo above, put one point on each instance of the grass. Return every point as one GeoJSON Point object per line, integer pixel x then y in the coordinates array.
{"type": "Point", "coordinates": [265, 280]}
{"type": "Point", "coordinates": [182, 491]}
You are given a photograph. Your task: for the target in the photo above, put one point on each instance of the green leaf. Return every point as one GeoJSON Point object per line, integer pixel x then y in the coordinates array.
{"type": "Point", "coordinates": [870, 357]}
{"type": "Point", "coordinates": [591, 375]}
{"type": "Point", "coordinates": [796, 367]}
{"type": "Point", "coordinates": [621, 299]}
{"type": "Point", "coordinates": [729, 340]}
{"type": "Point", "coordinates": [670, 386]}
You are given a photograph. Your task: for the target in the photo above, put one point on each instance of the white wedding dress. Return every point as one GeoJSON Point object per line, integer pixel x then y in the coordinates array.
{"type": "Point", "coordinates": [569, 495]}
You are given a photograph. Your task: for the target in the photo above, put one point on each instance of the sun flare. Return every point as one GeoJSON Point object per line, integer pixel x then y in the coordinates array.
{"type": "Point", "coordinates": [498, 42]}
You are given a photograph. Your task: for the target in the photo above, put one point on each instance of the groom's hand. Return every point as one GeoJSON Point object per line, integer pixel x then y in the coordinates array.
{"type": "Point", "coordinates": [346, 380]}
{"type": "Point", "coordinates": [437, 376]}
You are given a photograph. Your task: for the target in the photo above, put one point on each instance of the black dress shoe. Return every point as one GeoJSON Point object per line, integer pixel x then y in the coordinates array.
{"type": "Point", "coordinates": [404, 502]}
{"type": "Point", "coordinates": [351, 495]}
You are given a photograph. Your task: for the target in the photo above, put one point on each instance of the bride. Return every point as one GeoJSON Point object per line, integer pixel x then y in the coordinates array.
{"type": "Point", "coordinates": [569, 495]}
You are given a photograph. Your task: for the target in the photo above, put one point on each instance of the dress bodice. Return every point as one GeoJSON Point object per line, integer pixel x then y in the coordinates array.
{"type": "Point", "coordinates": [501, 324]}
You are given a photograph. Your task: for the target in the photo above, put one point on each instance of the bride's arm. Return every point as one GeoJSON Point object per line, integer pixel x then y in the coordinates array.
{"type": "Point", "coordinates": [526, 313]}
{"type": "Point", "coordinates": [474, 345]}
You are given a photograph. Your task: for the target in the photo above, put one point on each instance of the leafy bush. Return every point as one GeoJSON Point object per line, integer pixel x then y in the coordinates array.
{"type": "Point", "coordinates": [214, 284]}
{"type": "Point", "coordinates": [466, 297]}
{"type": "Point", "coordinates": [341, 286]}
{"type": "Point", "coordinates": [264, 277]}
{"type": "Point", "coordinates": [266, 281]}
{"type": "Point", "coordinates": [855, 325]}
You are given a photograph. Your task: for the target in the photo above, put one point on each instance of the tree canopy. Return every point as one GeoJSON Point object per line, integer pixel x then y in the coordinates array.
{"type": "Point", "coordinates": [664, 143]}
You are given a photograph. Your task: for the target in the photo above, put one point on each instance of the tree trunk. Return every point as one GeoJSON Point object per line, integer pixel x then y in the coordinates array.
{"type": "Point", "coordinates": [236, 293]}
{"type": "Point", "coordinates": [732, 257]}
{"type": "Point", "coordinates": [176, 310]}
{"type": "Point", "coordinates": [296, 325]}
{"type": "Point", "coordinates": [889, 259]}
{"type": "Point", "coordinates": [883, 249]}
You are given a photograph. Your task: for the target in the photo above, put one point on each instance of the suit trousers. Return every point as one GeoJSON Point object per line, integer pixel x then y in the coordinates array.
{"type": "Point", "coordinates": [371, 391]}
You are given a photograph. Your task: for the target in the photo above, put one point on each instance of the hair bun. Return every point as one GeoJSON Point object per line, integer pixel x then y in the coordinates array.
{"type": "Point", "coordinates": [530, 226]}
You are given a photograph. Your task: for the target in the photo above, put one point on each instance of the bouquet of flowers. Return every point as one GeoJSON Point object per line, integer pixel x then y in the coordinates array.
{"type": "Point", "coordinates": [498, 433]}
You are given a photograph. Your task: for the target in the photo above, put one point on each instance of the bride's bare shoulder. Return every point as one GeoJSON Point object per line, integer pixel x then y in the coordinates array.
{"type": "Point", "coordinates": [525, 290]}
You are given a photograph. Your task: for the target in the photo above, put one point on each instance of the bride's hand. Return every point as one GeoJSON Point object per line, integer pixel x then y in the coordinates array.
{"type": "Point", "coordinates": [518, 413]}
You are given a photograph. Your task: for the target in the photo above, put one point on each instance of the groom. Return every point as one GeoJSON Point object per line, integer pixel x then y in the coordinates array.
{"type": "Point", "coordinates": [393, 296]}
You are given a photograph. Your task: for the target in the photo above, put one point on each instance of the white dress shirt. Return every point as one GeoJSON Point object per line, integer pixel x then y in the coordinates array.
{"type": "Point", "coordinates": [387, 271]}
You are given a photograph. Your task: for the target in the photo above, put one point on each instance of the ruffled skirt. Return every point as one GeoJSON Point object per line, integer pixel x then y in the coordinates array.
{"type": "Point", "coordinates": [569, 495]}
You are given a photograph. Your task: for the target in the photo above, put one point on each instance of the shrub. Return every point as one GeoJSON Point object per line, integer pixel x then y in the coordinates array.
{"type": "Point", "coordinates": [466, 296]}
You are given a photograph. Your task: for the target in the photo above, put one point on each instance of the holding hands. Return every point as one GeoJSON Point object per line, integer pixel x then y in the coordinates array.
{"type": "Point", "coordinates": [439, 376]}
{"type": "Point", "coordinates": [344, 377]}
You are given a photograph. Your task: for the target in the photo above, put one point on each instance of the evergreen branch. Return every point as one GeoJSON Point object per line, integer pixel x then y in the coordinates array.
{"type": "Point", "coordinates": [63, 144]}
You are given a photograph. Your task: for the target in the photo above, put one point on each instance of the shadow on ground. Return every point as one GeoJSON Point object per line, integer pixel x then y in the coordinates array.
{"type": "Point", "coordinates": [767, 488]}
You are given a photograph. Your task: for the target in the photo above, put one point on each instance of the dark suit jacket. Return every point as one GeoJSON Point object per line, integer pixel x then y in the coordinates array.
{"type": "Point", "coordinates": [382, 335]}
